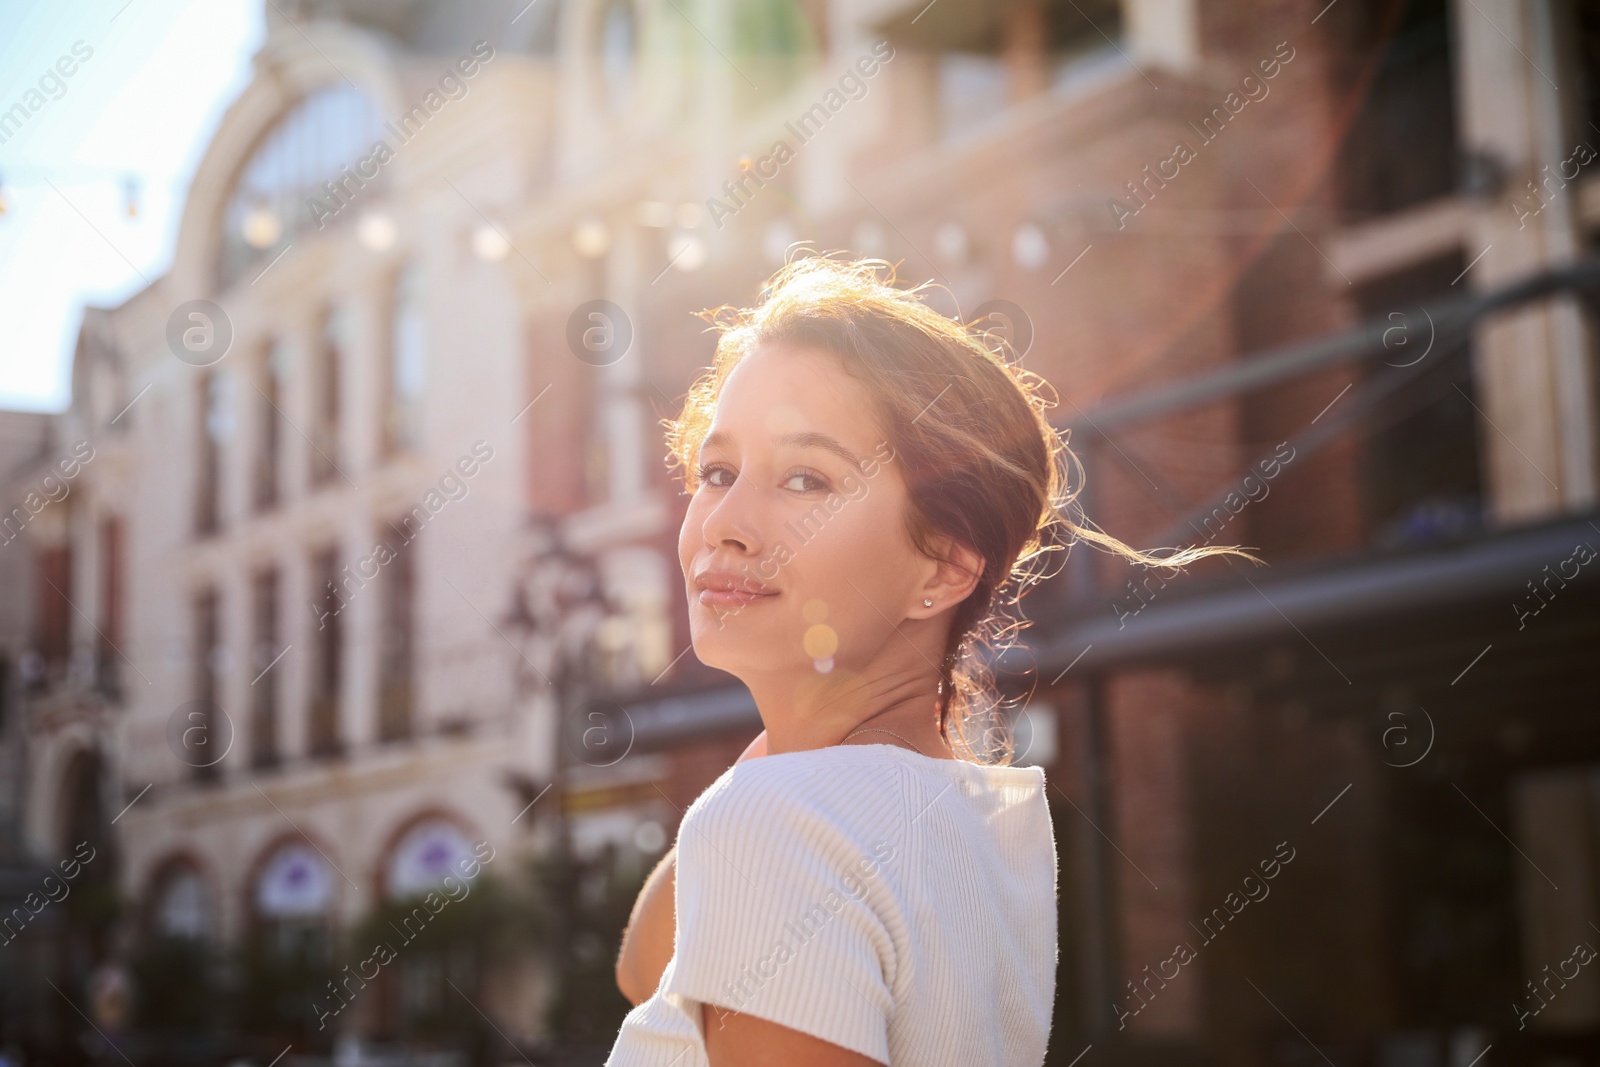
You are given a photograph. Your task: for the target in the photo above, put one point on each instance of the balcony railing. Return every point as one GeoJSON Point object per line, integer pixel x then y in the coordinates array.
{"type": "Point", "coordinates": [1391, 384]}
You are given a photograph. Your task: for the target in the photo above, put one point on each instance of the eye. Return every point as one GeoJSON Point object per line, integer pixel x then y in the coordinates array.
{"type": "Point", "coordinates": [809, 475]}
{"type": "Point", "coordinates": [810, 480]}
{"type": "Point", "coordinates": [706, 470]}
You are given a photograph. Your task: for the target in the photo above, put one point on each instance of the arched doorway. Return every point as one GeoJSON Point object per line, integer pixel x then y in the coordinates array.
{"type": "Point", "coordinates": [177, 977]}
{"type": "Point", "coordinates": [289, 952]}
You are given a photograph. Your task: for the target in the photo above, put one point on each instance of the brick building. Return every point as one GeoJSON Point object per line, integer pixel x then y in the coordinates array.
{"type": "Point", "coordinates": [1345, 785]}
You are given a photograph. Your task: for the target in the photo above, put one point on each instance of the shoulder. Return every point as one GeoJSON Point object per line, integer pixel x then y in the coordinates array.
{"type": "Point", "coordinates": [815, 811]}
{"type": "Point", "coordinates": [838, 803]}
{"type": "Point", "coordinates": [799, 788]}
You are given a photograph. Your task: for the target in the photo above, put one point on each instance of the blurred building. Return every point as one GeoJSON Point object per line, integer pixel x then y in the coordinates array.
{"type": "Point", "coordinates": [376, 543]}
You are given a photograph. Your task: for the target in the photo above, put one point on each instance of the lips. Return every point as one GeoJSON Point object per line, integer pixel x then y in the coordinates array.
{"type": "Point", "coordinates": [720, 588]}
{"type": "Point", "coordinates": [731, 598]}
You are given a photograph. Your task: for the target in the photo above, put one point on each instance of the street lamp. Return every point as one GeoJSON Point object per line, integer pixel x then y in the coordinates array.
{"type": "Point", "coordinates": [558, 602]}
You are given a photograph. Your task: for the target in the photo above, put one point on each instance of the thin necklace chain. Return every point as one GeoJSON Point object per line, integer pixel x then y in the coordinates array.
{"type": "Point", "coordinates": [872, 729]}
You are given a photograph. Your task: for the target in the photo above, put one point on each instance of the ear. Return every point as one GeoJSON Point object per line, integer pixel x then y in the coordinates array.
{"type": "Point", "coordinates": [951, 578]}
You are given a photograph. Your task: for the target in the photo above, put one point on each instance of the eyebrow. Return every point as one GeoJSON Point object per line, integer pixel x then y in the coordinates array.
{"type": "Point", "coordinates": [808, 439]}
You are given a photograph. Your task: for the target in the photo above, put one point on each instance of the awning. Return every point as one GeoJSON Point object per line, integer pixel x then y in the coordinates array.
{"type": "Point", "coordinates": [1346, 593]}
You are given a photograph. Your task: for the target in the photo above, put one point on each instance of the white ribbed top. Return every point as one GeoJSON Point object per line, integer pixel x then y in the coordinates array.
{"type": "Point", "coordinates": [896, 904]}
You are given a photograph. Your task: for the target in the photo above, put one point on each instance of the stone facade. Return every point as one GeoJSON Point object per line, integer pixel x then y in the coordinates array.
{"type": "Point", "coordinates": [1154, 189]}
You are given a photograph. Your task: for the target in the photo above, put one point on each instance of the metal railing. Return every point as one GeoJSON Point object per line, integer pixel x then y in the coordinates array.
{"type": "Point", "coordinates": [1454, 320]}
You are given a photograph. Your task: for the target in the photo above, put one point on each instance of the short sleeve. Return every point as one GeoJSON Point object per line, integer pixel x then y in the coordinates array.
{"type": "Point", "coordinates": [781, 915]}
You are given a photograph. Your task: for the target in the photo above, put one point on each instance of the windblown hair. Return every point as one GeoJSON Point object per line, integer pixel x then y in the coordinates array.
{"type": "Point", "coordinates": [981, 463]}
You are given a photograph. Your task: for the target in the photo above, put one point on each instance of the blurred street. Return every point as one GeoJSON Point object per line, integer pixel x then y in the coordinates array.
{"type": "Point", "coordinates": [346, 689]}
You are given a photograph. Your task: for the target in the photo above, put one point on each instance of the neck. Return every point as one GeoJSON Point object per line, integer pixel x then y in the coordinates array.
{"type": "Point", "coordinates": [823, 709]}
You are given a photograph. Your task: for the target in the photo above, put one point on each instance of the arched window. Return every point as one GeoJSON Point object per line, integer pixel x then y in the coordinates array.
{"type": "Point", "coordinates": [182, 904]}
{"type": "Point", "coordinates": [408, 363]}
{"type": "Point", "coordinates": [619, 52]}
{"type": "Point", "coordinates": [293, 898]}
{"type": "Point", "coordinates": [422, 858]}
{"type": "Point", "coordinates": [313, 163]}
{"type": "Point", "coordinates": [295, 883]}
{"type": "Point", "coordinates": [174, 961]}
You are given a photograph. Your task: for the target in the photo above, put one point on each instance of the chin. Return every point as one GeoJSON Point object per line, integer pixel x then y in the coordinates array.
{"type": "Point", "coordinates": [717, 654]}
{"type": "Point", "coordinates": [728, 649]}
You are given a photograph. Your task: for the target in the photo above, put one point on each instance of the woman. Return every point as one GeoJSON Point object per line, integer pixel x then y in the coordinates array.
{"type": "Point", "coordinates": [872, 881]}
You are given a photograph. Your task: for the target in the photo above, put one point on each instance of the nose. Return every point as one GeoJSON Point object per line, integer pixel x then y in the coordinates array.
{"type": "Point", "coordinates": [734, 519]}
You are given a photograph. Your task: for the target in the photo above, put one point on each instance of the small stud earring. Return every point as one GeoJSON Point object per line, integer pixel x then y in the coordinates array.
{"type": "Point", "coordinates": [927, 603]}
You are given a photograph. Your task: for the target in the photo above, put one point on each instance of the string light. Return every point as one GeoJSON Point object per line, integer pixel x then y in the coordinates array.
{"type": "Point", "coordinates": [376, 231]}
{"type": "Point", "coordinates": [489, 244]}
{"type": "Point", "coordinates": [591, 238]}
{"type": "Point", "coordinates": [687, 252]}
{"type": "Point", "coordinates": [261, 227]}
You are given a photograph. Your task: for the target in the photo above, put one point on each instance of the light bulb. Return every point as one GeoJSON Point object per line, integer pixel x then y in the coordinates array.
{"type": "Point", "coordinates": [376, 231]}
{"type": "Point", "coordinates": [489, 244]}
{"type": "Point", "coordinates": [1029, 247]}
{"type": "Point", "coordinates": [686, 251]}
{"type": "Point", "coordinates": [951, 241]}
{"type": "Point", "coordinates": [591, 238]}
{"type": "Point", "coordinates": [261, 227]}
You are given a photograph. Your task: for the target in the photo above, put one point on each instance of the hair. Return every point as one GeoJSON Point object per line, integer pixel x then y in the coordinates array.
{"type": "Point", "coordinates": [981, 463]}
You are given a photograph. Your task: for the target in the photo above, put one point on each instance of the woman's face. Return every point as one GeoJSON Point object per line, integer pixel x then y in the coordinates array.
{"type": "Point", "coordinates": [802, 506]}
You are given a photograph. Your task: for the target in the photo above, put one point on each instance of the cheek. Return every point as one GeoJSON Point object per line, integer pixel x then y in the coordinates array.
{"type": "Point", "coordinates": [854, 554]}
{"type": "Point", "coordinates": [686, 537]}
{"type": "Point", "coordinates": [691, 534]}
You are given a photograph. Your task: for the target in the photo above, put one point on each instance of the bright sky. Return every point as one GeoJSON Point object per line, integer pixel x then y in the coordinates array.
{"type": "Point", "coordinates": [144, 104]}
